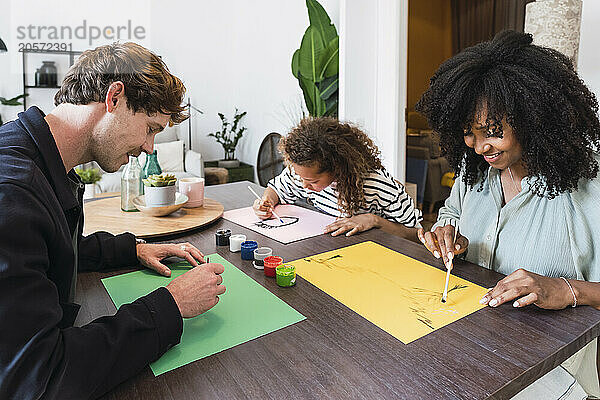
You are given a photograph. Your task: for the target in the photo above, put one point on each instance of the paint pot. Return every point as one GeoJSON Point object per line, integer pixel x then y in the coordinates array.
{"type": "Point", "coordinates": [248, 248]}
{"type": "Point", "coordinates": [259, 256]}
{"type": "Point", "coordinates": [235, 242]}
{"type": "Point", "coordinates": [222, 237]}
{"type": "Point", "coordinates": [285, 274]}
{"type": "Point", "coordinates": [270, 263]}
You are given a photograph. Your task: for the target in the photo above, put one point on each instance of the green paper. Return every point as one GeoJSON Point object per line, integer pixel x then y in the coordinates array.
{"type": "Point", "coordinates": [246, 311]}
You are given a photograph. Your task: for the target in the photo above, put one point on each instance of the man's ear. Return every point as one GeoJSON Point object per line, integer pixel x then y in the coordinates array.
{"type": "Point", "coordinates": [114, 95]}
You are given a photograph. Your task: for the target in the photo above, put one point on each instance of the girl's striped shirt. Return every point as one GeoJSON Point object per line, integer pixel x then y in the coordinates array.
{"type": "Point", "coordinates": [384, 196]}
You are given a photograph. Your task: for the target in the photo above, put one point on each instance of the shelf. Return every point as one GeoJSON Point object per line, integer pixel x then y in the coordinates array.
{"type": "Point", "coordinates": [50, 51]}
{"type": "Point", "coordinates": [26, 53]}
{"type": "Point", "coordinates": [41, 87]}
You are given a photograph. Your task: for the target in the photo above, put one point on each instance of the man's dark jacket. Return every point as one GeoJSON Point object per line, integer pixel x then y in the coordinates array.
{"type": "Point", "coordinates": [41, 354]}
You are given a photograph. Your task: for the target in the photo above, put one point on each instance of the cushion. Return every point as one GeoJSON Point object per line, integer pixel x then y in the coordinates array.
{"type": "Point", "coordinates": [170, 156]}
{"type": "Point", "coordinates": [169, 134]}
{"type": "Point", "coordinates": [194, 163]}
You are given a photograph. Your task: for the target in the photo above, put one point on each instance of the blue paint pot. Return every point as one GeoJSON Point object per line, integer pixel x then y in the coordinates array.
{"type": "Point", "coordinates": [248, 248]}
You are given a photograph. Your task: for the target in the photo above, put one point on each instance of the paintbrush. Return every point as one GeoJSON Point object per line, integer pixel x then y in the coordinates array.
{"type": "Point", "coordinates": [445, 295]}
{"type": "Point", "coordinates": [272, 208]}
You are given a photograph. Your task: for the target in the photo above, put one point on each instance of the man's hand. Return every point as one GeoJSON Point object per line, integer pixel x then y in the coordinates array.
{"type": "Point", "coordinates": [355, 224]}
{"type": "Point", "coordinates": [198, 290]}
{"type": "Point", "coordinates": [150, 255]}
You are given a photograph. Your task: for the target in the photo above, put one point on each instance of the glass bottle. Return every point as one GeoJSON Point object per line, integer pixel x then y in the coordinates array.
{"type": "Point", "coordinates": [151, 167]}
{"type": "Point", "coordinates": [131, 184]}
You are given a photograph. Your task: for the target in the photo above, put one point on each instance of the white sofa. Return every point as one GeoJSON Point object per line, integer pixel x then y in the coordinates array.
{"type": "Point", "coordinates": [172, 157]}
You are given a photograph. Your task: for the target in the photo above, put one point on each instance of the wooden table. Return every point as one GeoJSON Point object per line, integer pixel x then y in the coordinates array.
{"type": "Point", "coordinates": [104, 214]}
{"type": "Point", "coordinates": [335, 353]}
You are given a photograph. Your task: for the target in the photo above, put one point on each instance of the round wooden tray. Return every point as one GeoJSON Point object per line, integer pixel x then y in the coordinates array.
{"type": "Point", "coordinates": [106, 215]}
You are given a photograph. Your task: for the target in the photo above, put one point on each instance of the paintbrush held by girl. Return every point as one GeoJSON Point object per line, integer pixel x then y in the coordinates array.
{"type": "Point", "coordinates": [335, 167]}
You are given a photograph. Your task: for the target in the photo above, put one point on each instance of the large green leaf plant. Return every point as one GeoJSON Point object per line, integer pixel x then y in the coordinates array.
{"type": "Point", "coordinates": [316, 63]}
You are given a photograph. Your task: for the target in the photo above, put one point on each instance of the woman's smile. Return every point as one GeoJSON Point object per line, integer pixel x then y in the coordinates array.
{"type": "Point", "coordinates": [493, 157]}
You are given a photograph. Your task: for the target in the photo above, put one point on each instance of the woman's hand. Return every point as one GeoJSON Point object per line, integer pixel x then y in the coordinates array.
{"type": "Point", "coordinates": [150, 255]}
{"type": "Point", "coordinates": [355, 224]}
{"type": "Point", "coordinates": [530, 288]}
{"type": "Point", "coordinates": [263, 208]}
{"type": "Point", "coordinates": [441, 243]}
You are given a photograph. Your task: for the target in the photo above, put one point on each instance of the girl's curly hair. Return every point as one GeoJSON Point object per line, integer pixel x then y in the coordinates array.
{"type": "Point", "coordinates": [341, 149]}
{"type": "Point", "coordinates": [551, 111]}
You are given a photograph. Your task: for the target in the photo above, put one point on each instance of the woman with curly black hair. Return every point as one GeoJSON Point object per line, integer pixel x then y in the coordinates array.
{"type": "Point", "coordinates": [336, 167]}
{"type": "Point", "coordinates": [521, 130]}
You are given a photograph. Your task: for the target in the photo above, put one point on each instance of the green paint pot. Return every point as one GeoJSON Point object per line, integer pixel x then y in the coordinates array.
{"type": "Point", "coordinates": [285, 274]}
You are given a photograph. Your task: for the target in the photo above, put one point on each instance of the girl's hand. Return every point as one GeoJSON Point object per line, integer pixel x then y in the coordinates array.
{"type": "Point", "coordinates": [263, 208]}
{"type": "Point", "coordinates": [355, 224]}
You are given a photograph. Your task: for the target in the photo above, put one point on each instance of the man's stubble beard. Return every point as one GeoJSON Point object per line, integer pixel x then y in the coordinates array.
{"type": "Point", "coordinates": [103, 154]}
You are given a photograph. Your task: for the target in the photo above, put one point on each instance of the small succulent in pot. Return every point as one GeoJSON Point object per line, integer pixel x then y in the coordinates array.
{"type": "Point", "coordinates": [160, 190]}
{"type": "Point", "coordinates": [160, 180]}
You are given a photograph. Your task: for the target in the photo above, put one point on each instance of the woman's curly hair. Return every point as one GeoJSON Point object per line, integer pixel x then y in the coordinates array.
{"type": "Point", "coordinates": [341, 149]}
{"type": "Point", "coordinates": [551, 111]}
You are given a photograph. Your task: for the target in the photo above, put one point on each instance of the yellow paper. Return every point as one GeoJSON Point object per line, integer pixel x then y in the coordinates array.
{"type": "Point", "coordinates": [397, 293]}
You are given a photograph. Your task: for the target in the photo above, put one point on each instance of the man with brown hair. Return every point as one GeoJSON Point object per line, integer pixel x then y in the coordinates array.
{"type": "Point", "coordinates": [112, 103]}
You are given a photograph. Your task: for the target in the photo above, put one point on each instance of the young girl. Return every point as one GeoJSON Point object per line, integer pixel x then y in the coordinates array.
{"type": "Point", "coordinates": [336, 167]}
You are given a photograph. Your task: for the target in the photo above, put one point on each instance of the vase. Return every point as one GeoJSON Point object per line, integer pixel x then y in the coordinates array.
{"type": "Point", "coordinates": [48, 75]}
{"type": "Point", "coordinates": [151, 166]}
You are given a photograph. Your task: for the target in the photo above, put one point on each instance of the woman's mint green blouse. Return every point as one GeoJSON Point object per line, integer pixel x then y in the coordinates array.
{"type": "Point", "coordinates": [558, 237]}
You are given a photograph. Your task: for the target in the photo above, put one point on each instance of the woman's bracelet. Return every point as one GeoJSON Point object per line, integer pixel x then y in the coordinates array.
{"type": "Point", "coordinates": [572, 291]}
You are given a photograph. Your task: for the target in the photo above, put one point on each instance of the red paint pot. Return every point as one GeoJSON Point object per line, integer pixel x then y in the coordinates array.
{"type": "Point", "coordinates": [271, 263]}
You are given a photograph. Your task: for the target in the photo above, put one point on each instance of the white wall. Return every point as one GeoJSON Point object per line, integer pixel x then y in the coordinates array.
{"type": "Point", "coordinates": [229, 53]}
{"type": "Point", "coordinates": [373, 65]}
{"type": "Point", "coordinates": [235, 53]}
{"type": "Point", "coordinates": [589, 54]}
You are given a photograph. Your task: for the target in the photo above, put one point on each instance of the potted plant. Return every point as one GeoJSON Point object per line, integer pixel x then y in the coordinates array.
{"type": "Point", "coordinates": [89, 177]}
{"type": "Point", "coordinates": [11, 102]}
{"type": "Point", "coordinates": [316, 63]}
{"type": "Point", "coordinates": [159, 190]}
{"type": "Point", "coordinates": [228, 137]}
